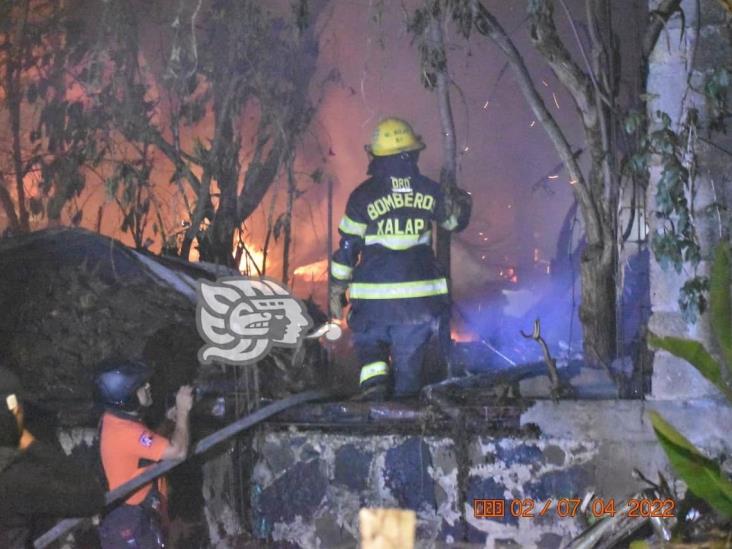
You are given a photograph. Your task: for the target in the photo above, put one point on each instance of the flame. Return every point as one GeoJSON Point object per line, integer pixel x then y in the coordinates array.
{"type": "Point", "coordinates": [250, 263]}
{"type": "Point", "coordinates": [509, 273]}
{"type": "Point", "coordinates": [315, 272]}
{"type": "Point", "coordinates": [247, 262]}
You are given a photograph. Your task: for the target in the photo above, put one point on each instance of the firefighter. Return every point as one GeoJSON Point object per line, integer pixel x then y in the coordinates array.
{"type": "Point", "coordinates": [37, 481]}
{"type": "Point", "coordinates": [397, 291]}
{"type": "Point", "coordinates": [127, 447]}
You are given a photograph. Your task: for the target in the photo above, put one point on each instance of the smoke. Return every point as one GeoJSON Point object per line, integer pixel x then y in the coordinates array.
{"type": "Point", "coordinates": [503, 152]}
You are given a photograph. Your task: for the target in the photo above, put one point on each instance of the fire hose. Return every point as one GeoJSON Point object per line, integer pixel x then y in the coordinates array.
{"type": "Point", "coordinates": [67, 525]}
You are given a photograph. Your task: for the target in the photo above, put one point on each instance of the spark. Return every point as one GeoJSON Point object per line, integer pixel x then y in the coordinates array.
{"type": "Point", "coordinates": [572, 181]}
{"type": "Point", "coordinates": [482, 257]}
{"type": "Point", "coordinates": [509, 206]}
{"type": "Point", "coordinates": [553, 177]}
{"type": "Point", "coordinates": [545, 84]}
{"type": "Point", "coordinates": [486, 105]}
{"type": "Point", "coordinates": [554, 95]}
{"type": "Point", "coordinates": [533, 123]}
{"type": "Point", "coordinates": [466, 149]}
{"type": "Point", "coordinates": [480, 233]}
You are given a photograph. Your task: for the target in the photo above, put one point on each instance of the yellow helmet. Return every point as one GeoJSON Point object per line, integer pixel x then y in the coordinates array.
{"type": "Point", "coordinates": [394, 136]}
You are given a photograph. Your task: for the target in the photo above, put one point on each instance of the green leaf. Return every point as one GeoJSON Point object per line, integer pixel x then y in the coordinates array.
{"type": "Point", "coordinates": [702, 475]}
{"type": "Point", "coordinates": [695, 354]}
{"type": "Point", "coordinates": [721, 308]}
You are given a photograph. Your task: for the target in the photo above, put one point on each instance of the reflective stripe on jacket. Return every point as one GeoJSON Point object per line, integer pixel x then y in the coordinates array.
{"type": "Point", "coordinates": [385, 252]}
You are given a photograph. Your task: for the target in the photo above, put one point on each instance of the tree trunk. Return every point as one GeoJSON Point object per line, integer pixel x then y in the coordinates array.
{"type": "Point", "coordinates": [288, 222]}
{"type": "Point", "coordinates": [447, 123]}
{"type": "Point", "coordinates": [13, 70]}
{"type": "Point", "coordinates": [225, 170]}
{"type": "Point", "coordinates": [596, 195]}
{"type": "Point", "coordinates": [598, 309]}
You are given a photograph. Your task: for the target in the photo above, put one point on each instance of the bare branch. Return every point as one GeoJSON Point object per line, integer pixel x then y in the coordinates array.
{"type": "Point", "coordinates": [547, 42]}
{"type": "Point", "coordinates": [585, 58]}
{"type": "Point", "coordinates": [177, 159]}
{"type": "Point", "coordinates": [486, 24]}
{"type": "Point", "coordinates": [260, 176]}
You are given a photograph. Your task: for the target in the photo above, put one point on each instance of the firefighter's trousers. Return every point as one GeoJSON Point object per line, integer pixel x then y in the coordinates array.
{"type": "Point", "coordinates": [402, 346]}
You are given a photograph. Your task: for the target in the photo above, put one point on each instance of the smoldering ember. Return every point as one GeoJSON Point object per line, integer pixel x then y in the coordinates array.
{"type": "Point", "coordinates": [309, 273]}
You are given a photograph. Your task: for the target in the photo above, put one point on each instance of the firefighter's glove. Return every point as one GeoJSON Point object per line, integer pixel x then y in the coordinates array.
{"type": "Point", "coordinates": [337, 300]}
{"type": "Point", "coordinates": [458, 207]}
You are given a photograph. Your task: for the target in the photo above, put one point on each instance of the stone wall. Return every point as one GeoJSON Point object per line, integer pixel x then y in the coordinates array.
{"type": "Point", "coordinates": [688, 50]}
{"type": "Point", "coordinates": [308, 485]}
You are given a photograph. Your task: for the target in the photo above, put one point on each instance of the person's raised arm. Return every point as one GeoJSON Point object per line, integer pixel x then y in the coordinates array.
{"type": "Point", "coordinates": [178, 448]}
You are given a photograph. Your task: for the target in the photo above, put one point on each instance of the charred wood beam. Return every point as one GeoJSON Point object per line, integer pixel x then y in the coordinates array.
{"type": "Point", "coordinates": [400, 416]}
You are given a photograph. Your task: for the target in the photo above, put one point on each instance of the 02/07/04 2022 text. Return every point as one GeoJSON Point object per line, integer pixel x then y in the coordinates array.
{"type": "Point", "coordinates": [570, 507]}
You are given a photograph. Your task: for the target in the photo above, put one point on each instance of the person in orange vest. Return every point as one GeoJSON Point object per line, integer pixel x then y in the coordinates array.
{"type": "Point", "coordinates": [127, 447]}
{"type": "Point", "coordinates": [37, 481]}
{"type": "Point", "coordinates": [397, 290]}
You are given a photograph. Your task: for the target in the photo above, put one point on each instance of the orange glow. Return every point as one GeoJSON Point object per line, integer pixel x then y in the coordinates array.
{"type": "Point", "coordinates": [509, 273]}
{"type": "Point", "coordinates": [315, 272]}
{"type": "Point", "coordinates": [247, 262]}
{"type": "Point", "coordinates": [461, 337]}
{"type": "Point", "coordinates": [250, 263]}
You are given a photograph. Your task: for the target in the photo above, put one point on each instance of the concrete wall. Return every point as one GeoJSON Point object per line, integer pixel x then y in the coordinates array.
{"type": "Point", "coordinates": [688, 50]}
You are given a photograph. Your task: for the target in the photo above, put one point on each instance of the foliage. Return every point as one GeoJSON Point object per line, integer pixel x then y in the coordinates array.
{"type": "Point", "coordinates": [721, 308]}
{"type": "Point", "coordinates": [54, 135]}
{"type": "Point", "coordinates": [695, 354]}
{"type": "Point", "coordinates": [716, 91]}
{"type": "Point", "coordinates": [702, 475]}
{"type": "Point", "coordinates": [675, 243]}
{"type": "Point", "coordinates": [131, 189]}
{"type": "Point", "coordinates": [433, 57]}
